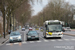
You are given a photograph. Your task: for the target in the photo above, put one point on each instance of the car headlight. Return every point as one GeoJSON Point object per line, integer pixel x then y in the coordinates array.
{"type": "Point", "coordinates": [11, 38]}
{"type": "Point", "coordinates": [19, 37]}
{"type": "Point", "coordinates": [29, 36]}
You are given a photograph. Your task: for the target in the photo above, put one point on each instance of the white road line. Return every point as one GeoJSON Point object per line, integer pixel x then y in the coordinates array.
{"type": "Point", "coordinates": [24, 42]}
{"type": "Point", "coordinates": [52, 40]}
{"type": "Point", "coordinates": [16, 43]}
{"type": "Point", "coordinates": [31, 41]}
{"type": "Point", "coordinates": [59, 40]}
{"type": "Point", "coordinates": [46, 40]}
{"type": "Point", "coordinates": [66, 39]}
{"type": "Point", "coordinates": [24, 37]}
{"type": "Point", "coordinates": [72, 39]}
{"type": "Point", "coordinates": [38, 41]}
{"type": "Point", "coordinates": [8, 44]}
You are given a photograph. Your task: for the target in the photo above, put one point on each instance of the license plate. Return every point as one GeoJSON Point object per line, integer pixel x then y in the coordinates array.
{"type": "Point", "coordinates": [33, 37]}
{"type": "Point", "coordinates": [54, 35]}
{"type": "Point", "coordinates": [14, 38]}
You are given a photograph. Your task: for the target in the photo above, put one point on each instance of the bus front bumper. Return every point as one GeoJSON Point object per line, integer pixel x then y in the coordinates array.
{"type": "Point", "coordinates": [54, 35]}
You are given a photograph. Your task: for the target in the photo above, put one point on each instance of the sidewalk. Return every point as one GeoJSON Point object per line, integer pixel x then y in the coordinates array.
{"type": "Point", "coordinates": [2, 40]}
{"type": "Point", "coordinates": [72, 29]}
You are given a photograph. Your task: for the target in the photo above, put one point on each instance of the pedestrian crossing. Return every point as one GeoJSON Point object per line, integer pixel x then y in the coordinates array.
{"type": "Point", "coordinates": [39, 41]}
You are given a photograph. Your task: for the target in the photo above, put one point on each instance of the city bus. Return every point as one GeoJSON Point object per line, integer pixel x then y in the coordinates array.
{"type": "Point", "coordinates": [53, 28]}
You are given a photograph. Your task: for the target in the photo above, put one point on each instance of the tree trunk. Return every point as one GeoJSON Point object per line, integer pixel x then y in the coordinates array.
{"type": "Point", "coordinates": [4, 23]}
{"type": "Point", "coordinates": [13, 22]}
{"type": "Point", "coordinates": [7, 24]}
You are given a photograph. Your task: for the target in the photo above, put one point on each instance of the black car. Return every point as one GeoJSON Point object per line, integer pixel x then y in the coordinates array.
{"type": "Point", "coordinates": [32, 35]}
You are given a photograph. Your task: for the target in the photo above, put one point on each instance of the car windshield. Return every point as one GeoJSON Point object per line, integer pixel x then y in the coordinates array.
{"type": "Point", "coordinates": [32, 33]}
{"type": "Point", "coordinates": [14, 34]}
{"type": "Point", "coordinates": [54, 28]}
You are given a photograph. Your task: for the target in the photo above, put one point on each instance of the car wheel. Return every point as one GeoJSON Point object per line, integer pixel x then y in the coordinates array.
{"type": "Point", "coordinates": [37, 38]}
{"type": "Point", "coordinates": [27, 39]}
{"type": "Point", "coordinates": [59, 37]}
{"type": "Point", "coordinates": [20, 41]}
{"type": "Point", "coordinates": [10, 42]}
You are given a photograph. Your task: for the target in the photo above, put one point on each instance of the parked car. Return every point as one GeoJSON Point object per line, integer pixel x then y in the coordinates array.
{"type": "Point", "coordinates": [64, 29]}
{"type": "Point", "coordinates": [32, 35]}
{"type": "Point", "coordinates": [23, 29]}
{"type": "Point", "coordinates": [15, 36]}
{"type": "Point", "coordinates": [68, 28]}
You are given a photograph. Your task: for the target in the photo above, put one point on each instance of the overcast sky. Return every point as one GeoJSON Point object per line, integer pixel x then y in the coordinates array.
{"type": "Point", "coordinates": [37, 7]}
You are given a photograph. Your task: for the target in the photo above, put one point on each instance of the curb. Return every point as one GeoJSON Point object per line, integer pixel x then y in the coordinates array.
{"type": "Point", "coordinates": [4, 41]}
{"type": "Point", "coordinates": [69, 34]}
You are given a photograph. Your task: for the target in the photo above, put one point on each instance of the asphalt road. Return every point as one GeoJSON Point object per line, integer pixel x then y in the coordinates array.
{"type": "Point", "coordinates": [66, 43]}
{"type": "Point", "coordinates": [70, 32]}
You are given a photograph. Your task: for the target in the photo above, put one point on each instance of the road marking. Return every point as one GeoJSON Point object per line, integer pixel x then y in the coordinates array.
{"type": "Point", "coordinates": [8, 44]}
{"type": "Point", "coordinates": [72, 39]}
{"type": "Point", "coordinates": [24, 37]}
{"type": "Point", "coordinates": [46, 40]}
{"type": "Point", "coordinates": [66, 39]}
{"type": "Point", "coordinates": [60, 40]}
{"type": "Point", "coordinates": [38, 41]}
{"type": "Point", "coordinates": [16, 43]}
{"type": "Point", "coordinates": [52, 40]}
{"type": "Point", "coordinates": [31, 41]}
{"type": "Point", "coordinates": [24, 42]}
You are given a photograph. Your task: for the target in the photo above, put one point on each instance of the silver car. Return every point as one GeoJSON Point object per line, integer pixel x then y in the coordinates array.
{"type": "Point", "coordinates": [68, 28]}
{"type": "Point", "coordinates": [15, 36]}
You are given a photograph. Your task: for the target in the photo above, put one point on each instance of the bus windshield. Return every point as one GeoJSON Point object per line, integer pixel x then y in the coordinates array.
{"type": "Point", "coordinates": [54, 28]}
